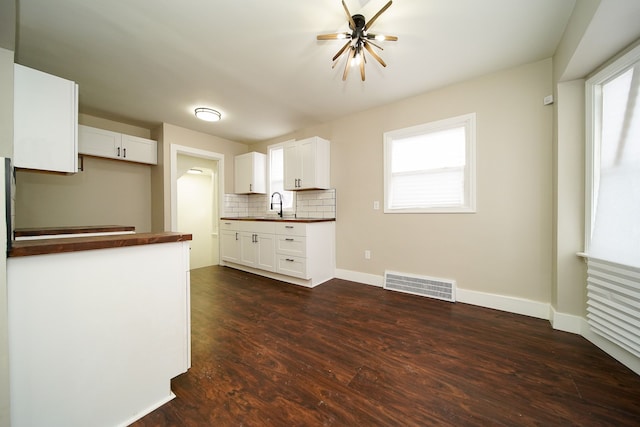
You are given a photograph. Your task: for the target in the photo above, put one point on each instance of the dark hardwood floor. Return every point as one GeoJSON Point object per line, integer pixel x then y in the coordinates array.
{"type": "Point", "coordinates": [267, 353]}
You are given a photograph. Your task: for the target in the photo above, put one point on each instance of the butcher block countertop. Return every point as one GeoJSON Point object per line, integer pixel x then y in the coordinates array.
{"type": "Point", "coordinates": [275, 219]}
{"type": "Point", "coordinates": [74, 244]}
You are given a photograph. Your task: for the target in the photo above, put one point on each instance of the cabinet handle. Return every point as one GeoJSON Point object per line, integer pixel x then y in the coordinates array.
{"type": "Point", "coordinates": [124, 153]}
{"type": "Point", "coordinates": [118, 154]}
{"type": "Point", "coordinates": [250, 187]}
{"type": "Point", "coordinates": [236, 236]}
{"type": "Point", "coordinates": [288, 240]}
{"type": "Point", "coordinates": [288, 260]}
{"type": "Point", "coordinates": [288, 226]}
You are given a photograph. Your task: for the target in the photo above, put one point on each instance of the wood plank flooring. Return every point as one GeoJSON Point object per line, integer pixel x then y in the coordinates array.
{"type": "Point", "coordinates": [265, 353]}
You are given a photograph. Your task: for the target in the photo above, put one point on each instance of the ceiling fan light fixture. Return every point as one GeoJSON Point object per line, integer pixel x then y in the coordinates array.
{"type": "Point", "coordinates": [208, 114]}
{"type": "Point", "coordinates": [358, 41]}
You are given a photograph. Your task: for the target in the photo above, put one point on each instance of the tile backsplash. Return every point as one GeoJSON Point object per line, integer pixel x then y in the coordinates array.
{"type": "Point", "coordinates": [308, 204]}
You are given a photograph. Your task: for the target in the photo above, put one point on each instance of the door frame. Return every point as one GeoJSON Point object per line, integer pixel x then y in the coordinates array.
{"type": "Point", "coordinates": [192, 152]}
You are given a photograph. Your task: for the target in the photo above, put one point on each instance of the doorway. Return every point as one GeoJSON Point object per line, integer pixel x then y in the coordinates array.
{"type": "Point", "coordinates": [196, 194]}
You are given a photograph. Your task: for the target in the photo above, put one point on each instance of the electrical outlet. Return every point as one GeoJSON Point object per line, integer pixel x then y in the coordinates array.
{"type": "Point", "coordinates": [376, 205]}
{"type": "Point", "coordinates": [367, 254]}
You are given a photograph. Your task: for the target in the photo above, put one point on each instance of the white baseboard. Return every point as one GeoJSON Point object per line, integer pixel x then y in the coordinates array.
{"type": "Point", "coordinates": [566, 322]}
{"type": "Point", "coordinates": [356, 276]}
{"type": "Point", "coordinates": [515, 305]}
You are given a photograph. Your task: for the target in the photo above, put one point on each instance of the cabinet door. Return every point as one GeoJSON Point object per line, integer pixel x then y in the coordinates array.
{"type": "Point", "coordinates": [230, 245]}
{"type": "Point", "coordinates": [292, 165]}
{"type": "Point", "coordinates": [45, 121]}
{"type": "Point", "coordinates": [315, 163]}
{"type": "Point", "coordinates": [248, 249]}
{"type": "Point", "coordinates": [243, 174]}
{"type": "Point", "coordinates": [306, 164]}
{"type": "Point", "coordinates": [141, 150]}
{"type": "Point", "coordinates": [250, 173]}
{"type": "Point", "coordinates": [98, 142]}
{"type": "Point", "coordinates": [266, 252]}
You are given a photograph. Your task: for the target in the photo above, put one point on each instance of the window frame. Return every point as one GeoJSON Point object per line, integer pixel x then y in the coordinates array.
{"type": "Point", "coordinates": [593, 128]}
{"type": "Point", "coordinates": [468, 121]}
{"type": "Point", "coordinates": [270, 148]}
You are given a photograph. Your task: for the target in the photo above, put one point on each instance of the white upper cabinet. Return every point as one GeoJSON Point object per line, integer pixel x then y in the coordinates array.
{"type": "Point", "coordinates": [114, 145]}
{"type": "Point", "coordinates": [307, 164]}
{"type": "Point", "coordinates": [45, 121]}
{"type": "Point", "coordinates": [250, 174]}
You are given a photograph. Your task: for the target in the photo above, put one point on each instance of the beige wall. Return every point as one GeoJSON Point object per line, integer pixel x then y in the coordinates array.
{"type": "Point", "coordinates": [504, 248]}
{"type": "Point", "coordinates": [106, 192]}
{"type": "Point", "coordinates": [569, 273]}
{"type": "Point", "coordinates": [174, 135]}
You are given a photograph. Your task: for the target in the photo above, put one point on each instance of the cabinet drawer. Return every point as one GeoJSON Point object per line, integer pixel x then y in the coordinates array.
{"type": "Point", "coordinates": [229, 225]}
{"type": "Point", "coordinates": [291, 228]}
{"type": "Point", "coordinates": [292, 245]}
{"type": "Point", "coordinates": [257, 226]}
{"type": "Point", "coordinates": [292, 266]}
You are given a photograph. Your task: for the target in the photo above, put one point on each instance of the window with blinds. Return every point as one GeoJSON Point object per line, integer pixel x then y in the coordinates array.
{"type": "Point", "coordinates": [431, 167]}
{"type": "Point", "coordinates": [275, 156]}
{"type": "Point", "coordinates": [613, 155]}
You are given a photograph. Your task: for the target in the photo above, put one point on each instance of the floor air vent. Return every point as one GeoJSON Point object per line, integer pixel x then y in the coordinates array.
{"type": "Point", "coordinates": [420, 285]}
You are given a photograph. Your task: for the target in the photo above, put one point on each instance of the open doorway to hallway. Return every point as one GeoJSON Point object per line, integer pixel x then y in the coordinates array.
{"type": "Point", "coordinates": [206, 203]}
{"type": "Point", "coordinates": [197, 207]}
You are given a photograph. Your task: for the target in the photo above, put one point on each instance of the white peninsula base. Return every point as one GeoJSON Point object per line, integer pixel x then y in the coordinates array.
{"type": "Point", "coordinates": [95, 336]}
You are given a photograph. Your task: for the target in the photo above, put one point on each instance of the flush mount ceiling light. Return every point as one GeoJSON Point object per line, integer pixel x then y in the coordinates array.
{"type": "Point", "coordinates": [208, 114]}
{"type": "Point", "coordinates": [358, 40]}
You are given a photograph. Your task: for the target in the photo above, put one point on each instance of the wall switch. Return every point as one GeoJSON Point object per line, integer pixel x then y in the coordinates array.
{"type": "Point", "coordinates": [548, 100]}
{"type": "Point", "coordinates": [376, 205]}
{"type": "Point", "coordinates": [367, 254]}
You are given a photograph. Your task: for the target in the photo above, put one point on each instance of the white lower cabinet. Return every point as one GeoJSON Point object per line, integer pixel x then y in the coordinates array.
{"type": "Point", "coordinates": [248, 243]}
{"type": "Point", "coordinates": [258, 250]}
{"type": "Point", "coordinates": [229, 243]}
{"type": "Point", "coordinates": [297, 252]}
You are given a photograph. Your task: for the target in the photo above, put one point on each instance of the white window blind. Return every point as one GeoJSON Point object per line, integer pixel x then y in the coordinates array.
{"type": "Point", "coordinates": [615, 166]}
{"type": "Point", "coordinates": [429, 168]}
{"type": "Point", "coordinates": [276, 175]}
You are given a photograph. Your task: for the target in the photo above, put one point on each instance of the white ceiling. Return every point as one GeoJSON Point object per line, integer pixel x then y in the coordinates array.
{"type": "Point", "coordinates": [146, 62]}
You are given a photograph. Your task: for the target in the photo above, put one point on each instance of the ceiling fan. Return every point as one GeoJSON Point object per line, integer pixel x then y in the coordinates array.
{"type": "Point", "coordinates": [358, 40]}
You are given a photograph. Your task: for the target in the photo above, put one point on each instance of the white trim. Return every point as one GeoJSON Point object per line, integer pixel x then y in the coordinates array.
{"type": "Point", "coordinates": [194, 152]}
{"type": "Point", "coordinates": [565, 322]}
{"type": "Point", "coordinates": [356, 276]}
{"type": "Point", "coordinates": [509, 304]}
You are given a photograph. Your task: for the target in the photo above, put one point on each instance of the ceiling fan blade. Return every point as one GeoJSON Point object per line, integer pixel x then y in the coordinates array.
{"type": "Point", "coordinates": [362, 60]}
{"type": "Point", "coordinates": [341, 50]}
{"type": "Point", "coordinates": [333, 36]}
{"type": "Point", "coordinates": [374, 54]}
{"type": "Point", "coordinates": [372, 20]}
{"type": "Point", "coordinates": [375, 44]}
{"type": "Point", "coordinates": [348, 64]}
{"type": "Point", "coordinates": [352, 24]}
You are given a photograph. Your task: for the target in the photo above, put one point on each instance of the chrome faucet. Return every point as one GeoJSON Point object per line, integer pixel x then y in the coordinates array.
{"type": "Point", "coordinates": [279, 213]}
